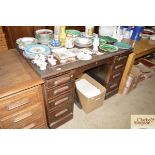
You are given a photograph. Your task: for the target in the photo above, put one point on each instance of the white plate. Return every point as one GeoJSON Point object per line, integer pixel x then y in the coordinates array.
{"type": "Point", "coordinates": [83, 56]}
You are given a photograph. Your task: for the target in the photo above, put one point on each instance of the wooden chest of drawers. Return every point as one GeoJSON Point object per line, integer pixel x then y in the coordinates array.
{"type": "Point", "coordinates": [59, 96]}
{"type": "Point", "coordinates": [21, 99]}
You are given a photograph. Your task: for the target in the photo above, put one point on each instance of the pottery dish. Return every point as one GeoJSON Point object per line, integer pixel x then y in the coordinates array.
{"type": "Point", "coordinates": [108, 48]}
{"type": "Point", "coordinates": [83, 42]}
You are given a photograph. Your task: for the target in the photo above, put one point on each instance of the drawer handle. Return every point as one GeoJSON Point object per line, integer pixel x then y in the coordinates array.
{"type": "Point", "coordinates": [17, 119]}
{"type": "Point", "coordinates": [18, 104]}
{"type": "Point", "coordinates": [61, 112]}
{"type": "Point", "coordinates": [30, 126]}
{"type": "Point", "coordinates": [114, 85]}
{"type": "Point", "coordinates": [63, 80]}
{"type": "Point", "coordinates": [122, 58]}
{"type": "Point", "coordinates": [60, 90]}
{"type": "Point", "coordinates": [116, 75]}
{"type": "Point", "coordinates": [118, 66]}
{"type": "Point", "coordinates": [61, 100]}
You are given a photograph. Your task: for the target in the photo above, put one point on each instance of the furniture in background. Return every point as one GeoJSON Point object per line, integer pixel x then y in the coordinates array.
{"type": "Point", "coordinates": [3, 44]}
{"type": "Point", "coordinates": [140, 48]}
{"type": "Point", "coordinates": [21, 100]}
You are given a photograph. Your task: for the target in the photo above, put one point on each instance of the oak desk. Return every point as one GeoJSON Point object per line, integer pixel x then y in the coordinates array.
{"type": "Point", "coordinates": [140, 48]}
{"type": "Point", "coordinates": [59, 82]}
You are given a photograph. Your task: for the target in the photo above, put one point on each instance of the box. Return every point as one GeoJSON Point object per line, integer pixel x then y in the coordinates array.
{"type": "Point", "coordinates": [90, 104]}
{"type": "Point", "coordinates": [133, 79]}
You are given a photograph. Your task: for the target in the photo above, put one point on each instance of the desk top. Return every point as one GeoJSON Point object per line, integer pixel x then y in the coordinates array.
{"type": "Point", "coordinates": [61, 68]}
{"type": "Point", "coordinates": [142, 47]}
{"type": "Point", "coordinates": [15, 74]}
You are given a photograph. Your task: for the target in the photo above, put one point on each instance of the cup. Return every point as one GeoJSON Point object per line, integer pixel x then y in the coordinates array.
{"type": "Point", "coordinates": [44, 35]}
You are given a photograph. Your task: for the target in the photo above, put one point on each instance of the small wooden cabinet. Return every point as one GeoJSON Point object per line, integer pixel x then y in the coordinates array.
{"type": "Point", "coordinates": [21, 99]}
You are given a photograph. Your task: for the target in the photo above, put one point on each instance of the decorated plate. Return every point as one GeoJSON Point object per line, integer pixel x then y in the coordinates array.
{"type": "Point", "coordinates": [122, 45]}
{"type": "Point", "coordinates": [26, 41]}
{"type": "Point", "coordinates": [83, 42]}
{"type": "Point", "coordinates": [84, 56]}
{"type": "Point", "coordinates": [108, 39]}
{"type": "Point", "coordinates": [75, 33]}
{"type": "Point", "coordinates": [108, 48]}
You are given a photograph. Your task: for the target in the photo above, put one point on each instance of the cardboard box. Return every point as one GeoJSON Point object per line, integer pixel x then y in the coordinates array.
{"type": "Point", "coordinates": [90, 104]}
{"type": "Point", "coordinates": [133, 79]}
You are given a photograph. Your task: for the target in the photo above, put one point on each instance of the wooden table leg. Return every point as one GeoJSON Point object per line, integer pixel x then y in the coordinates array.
{"type": "Point", "coordinates": [127, 70]}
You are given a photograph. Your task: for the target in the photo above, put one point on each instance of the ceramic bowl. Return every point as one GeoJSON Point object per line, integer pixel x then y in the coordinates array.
{"type": "Point", "coordinates": [44, 35]}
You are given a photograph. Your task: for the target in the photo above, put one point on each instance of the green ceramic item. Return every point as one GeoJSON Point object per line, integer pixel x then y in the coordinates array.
{"type": "Point", "coordinates": [75, 33]}
{"type": "Point", "coordinates": [108, 48]}
{"type": "Point", "coordinates": [108, 39]}
{"type": "Point", "coordinates": [122, 45]}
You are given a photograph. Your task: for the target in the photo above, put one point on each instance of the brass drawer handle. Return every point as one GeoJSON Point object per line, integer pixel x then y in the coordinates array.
{"type": "Point", "coordinates": [60, 90]}
{"type": "Point", "coordinates": [114, 85]}
{"type": "Point", "coordinates": [116, 75]}
{"type": "Point", "coordinates": [17, 119]}
{"type": "Point", "coordinates": [122, 58]}
{"type": "Point", "coordinates": [30, 126]}
{"type": "Point", "coordinates": [61, 100]}
{"type": "Point", "coordinates": [119, 66]}
{"type": "Point", "coordinates": [61, 112]}
{"type": "Point", "coordinates": [17, 104]}
{"type": "Point", "coordinates": [63, 80]}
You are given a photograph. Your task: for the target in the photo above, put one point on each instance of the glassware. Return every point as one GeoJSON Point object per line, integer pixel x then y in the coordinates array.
{"type": "Point", "coordinates": [62, 36]}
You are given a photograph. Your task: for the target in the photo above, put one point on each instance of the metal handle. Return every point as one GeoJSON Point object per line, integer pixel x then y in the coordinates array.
{"type": "Point", "coordinates": [116, 75]}
{"type": "Point", "coordinates": [60, 90]}
{"type": "Point", "coordinates": [122, 58]}
{"type": "Point", "coordinates": [63, 80]}
{"type": "Point", "coordinates": [17, 119]}
{"type": "Point", "coordinates": [61, 112]}
{"type": "Point", "coordinates": [61, 100]}
{"type": "Point", "coordinates": [118, 66]}
{"type": "Point", "coordinates": [114, 85]}
{"type": "Point", "coordinates": [30, 126]}
{"type": "Point", "coordinates": [17, 104]}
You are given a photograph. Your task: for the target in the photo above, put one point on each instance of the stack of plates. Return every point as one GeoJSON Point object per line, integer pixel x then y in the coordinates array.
{"type": "Point", "coordinates": [32, 50]}
{"type": "Point", "coordinates": [26, 41]}
{"type": "Point", "coordinates": [75, 33]}
{"type": "Point", "coordinates": [83, 42]}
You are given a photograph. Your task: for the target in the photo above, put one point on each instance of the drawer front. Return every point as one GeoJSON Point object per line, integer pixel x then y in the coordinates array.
{"type": "Point", "coordinates": [18, 101]}
{"type": "Point", "coordinates": [122, 57]}
{"type": "Point", "coordinates": [62, 99]}
{"type": "Point", "coordinates": [113, 85]}
{"type": "Point", "coordinates": [53, 93]}
{"type": "Point", "coordinates": [60, 112]}
{"type": "Point", "coordinates": [111, 93]}
{"type": "Point", "coordinates": [23, 118]}
{"type": "Point", "coordinates": [63, 79]}
{"type": "Point", "coordinates": [61, 121]}
{"type": "Point", "coordinates": [116, 75]}
{"type": "Point", "coordinates": [36, 124]}
{"type": "Point", "coordinates": [119, 66]}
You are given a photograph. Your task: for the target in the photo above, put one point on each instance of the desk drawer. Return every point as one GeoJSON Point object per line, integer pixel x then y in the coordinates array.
{"type": "Point", "coordinates": [63, 79]}
{"type": "Point", "coordinates": [18, 101]}
{"type": "Point", "coordinates": [122, 57]}
{"type": "Point", "coordinates": [62, 99]}
{"type": "Point", "coordinates": [53, 93]}
{"type": "Point", "coordinates": [23, 118]}
{"type": "Point", "coordinates": [116, 75]}
{"type": "Point", "coordinates": [60, 112]}
{"type": "Point", "coordinates": [113, 85]}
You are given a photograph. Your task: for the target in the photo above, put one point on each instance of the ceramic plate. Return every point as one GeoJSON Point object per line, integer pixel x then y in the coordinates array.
{"type": "Point", "coordinates": [83, 34]}
{"type": "Point", "coordinates": [84, 56]}
{"type": "Point", "coordinates": [53, 47]}
{"type": "Point", "coordinates": [122, 45]}
{"type": "Point", "coordinates": [108, 48]}
{"type": "Point", "coordinates": [108, 39]}
{"type": "Point", "coordinates": [83, 42]}
{"type": "Point", "coordinates": [26, 41]}
{"type": "Point", "coordinates": [75, 33]}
